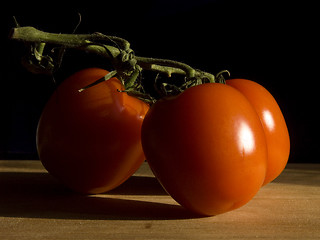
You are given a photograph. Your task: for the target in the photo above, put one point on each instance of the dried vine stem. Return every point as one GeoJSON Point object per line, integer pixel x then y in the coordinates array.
{"type": "Point", "coordinates": [116, 49]}
{"type": "Point", "coordinates": [90, 43]}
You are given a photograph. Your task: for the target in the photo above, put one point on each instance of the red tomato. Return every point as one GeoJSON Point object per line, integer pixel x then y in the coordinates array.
{"type": "Point", "coordinates": [207, 148]}
{"type": "Point", "coordinates": [274, 125]}
{"type": "Point", "coordinates": [91, 141]}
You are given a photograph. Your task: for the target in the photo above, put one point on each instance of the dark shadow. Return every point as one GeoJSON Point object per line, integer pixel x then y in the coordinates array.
{"type": "Point", "coordinates": [139, 185]}
{"type": "Point", "coordinates": [38, 195]}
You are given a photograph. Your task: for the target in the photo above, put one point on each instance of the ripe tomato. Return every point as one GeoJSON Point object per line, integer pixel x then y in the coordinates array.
{"type": "Point", "coordinates": [274, 125]}
{"type": "Point", "coordinates": [91, 141]}
{"type": "Point", "coordinates": [207, 148]}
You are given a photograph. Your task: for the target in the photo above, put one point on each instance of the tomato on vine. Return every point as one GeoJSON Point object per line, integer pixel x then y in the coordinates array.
{"type": "Point", "coordinates": [207, 147]}
{"type": "Point", "coordinates": [91, 141]}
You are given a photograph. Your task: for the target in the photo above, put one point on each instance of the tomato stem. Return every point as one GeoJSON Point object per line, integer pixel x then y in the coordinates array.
{"type": "Point", "coordinates": [128, 67]}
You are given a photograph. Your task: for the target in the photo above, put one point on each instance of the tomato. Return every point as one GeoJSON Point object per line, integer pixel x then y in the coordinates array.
{"type": "Point", "coordinates": [91, 141]}
{"type": "Point", "coordinates": [274, 125]}
{"type": "Point", "coordinates": [207, 148]}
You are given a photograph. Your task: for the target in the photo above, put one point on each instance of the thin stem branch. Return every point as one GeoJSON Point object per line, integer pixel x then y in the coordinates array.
{"type": "Point", "coordinates": [162, 64]}
{"type": "Point", "coordinates": [103, 79]}
{"type": "Point", "coordinates": [31, 34]}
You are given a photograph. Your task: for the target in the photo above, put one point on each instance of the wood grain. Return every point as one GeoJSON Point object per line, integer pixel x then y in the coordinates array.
{"type": "Point", "coordinates": [33, 205]}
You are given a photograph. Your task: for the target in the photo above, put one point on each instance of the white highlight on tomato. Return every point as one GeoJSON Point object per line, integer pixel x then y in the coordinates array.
{"type": "Point", "coordinates": [268, 120]}
{"type": "Point", "coordinates": [246, 138]}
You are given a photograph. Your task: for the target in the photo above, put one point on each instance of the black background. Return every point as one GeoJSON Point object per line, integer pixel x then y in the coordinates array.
{"type": "Point", "coordinates": [271, 42]}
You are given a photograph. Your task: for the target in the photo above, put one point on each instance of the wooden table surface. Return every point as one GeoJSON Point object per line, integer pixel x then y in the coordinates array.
{"type": "Point", "coordinates": [33, 205]}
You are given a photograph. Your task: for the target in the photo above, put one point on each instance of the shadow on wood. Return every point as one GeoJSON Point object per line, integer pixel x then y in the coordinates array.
{"type": "Point", "coordinates": [38, 195]}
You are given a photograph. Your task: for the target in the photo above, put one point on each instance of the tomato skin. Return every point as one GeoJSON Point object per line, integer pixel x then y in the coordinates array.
{"type": "Point", "coordinates": [91, 141]}
{"type": "Point", "coordinates": [273, 122]}
{"type": "Point", "coordinates": [207, 148]}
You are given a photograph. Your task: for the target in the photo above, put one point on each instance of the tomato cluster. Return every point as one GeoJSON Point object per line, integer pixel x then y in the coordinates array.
{"type": "Point", "coordinates": [212, 147]}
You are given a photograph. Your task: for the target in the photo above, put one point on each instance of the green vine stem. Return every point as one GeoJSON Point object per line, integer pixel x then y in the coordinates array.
{"type": "Point", "coordinates": [127, 66]}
